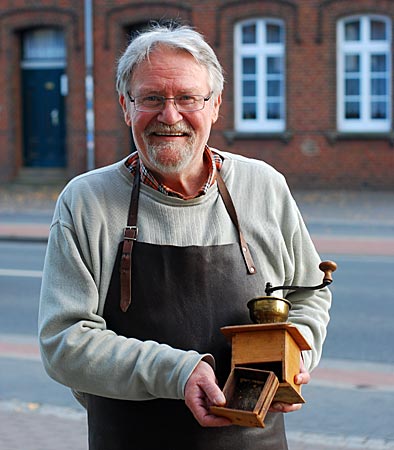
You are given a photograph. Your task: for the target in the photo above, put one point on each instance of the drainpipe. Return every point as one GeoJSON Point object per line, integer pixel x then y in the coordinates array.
{"type": "Point", "coordinates": [89, 85]}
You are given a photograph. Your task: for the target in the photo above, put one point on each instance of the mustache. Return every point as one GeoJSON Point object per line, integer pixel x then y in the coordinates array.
{"type": "Point", "coordinates": [163, 128]}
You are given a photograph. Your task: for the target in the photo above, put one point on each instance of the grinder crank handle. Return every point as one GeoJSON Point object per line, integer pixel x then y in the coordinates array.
{"type": "Point", "coordinates": [328, 267]}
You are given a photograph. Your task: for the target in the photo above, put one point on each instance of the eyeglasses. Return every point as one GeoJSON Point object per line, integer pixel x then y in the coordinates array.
{"type": "Point", "coordinates": [182, 103]}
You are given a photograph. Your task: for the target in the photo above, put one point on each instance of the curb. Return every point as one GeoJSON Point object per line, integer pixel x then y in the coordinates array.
{"type": "Point", "coordinates": [327, 244]}
{"type": "Point", "coordinates": [26, 232]}
{"type": "Point", "coordinates": [349, 245]}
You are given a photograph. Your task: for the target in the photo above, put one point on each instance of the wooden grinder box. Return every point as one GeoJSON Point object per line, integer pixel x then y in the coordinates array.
{"type": "Point", "coordinates": [268, 356]}
{"type": "Point", "coordinates": [249, 393]}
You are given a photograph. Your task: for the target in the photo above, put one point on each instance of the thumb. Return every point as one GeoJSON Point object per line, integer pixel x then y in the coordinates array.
{"type": "Point", "coordinates": [214, 394]}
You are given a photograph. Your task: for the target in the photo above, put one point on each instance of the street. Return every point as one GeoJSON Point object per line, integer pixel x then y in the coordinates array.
{"type": "Point", "coordinates": [360, 337]}
{"type": "Point", "coordinates": [20, 280]}
{"type": "Point", "coordinates": [360, 328]}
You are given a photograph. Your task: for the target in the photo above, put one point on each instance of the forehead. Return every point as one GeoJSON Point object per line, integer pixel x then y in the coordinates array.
{"type": "Point", "coordinates": [170, 69]}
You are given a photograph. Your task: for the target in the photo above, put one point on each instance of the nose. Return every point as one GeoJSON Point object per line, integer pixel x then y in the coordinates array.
{"type": "Point", "coordinates": [169, 115]}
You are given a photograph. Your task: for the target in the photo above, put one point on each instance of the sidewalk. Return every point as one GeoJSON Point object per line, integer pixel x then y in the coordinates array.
{"type": "Point", "coordinates": [30, 426]}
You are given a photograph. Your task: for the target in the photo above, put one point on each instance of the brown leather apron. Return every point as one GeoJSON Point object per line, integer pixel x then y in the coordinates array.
{"type": "Point", "coordinates": [180, 296]}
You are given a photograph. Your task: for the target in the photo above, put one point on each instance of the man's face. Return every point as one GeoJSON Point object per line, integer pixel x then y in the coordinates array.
{"type": "Point", "coordinates": [169, 141]}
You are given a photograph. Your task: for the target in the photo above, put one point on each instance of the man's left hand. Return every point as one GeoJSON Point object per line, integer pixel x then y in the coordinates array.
{"type": "Point", "coordinates": [202, 391]}
{"type": "Point", "coordinates": [301, 378]}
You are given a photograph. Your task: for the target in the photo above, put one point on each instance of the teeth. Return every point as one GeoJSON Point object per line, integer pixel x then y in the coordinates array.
{"type": "Point", "coordinates": [169, 134]}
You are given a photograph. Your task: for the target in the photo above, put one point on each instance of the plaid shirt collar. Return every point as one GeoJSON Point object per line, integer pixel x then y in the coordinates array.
{"type": "Point", "coordinates": [213, 159]}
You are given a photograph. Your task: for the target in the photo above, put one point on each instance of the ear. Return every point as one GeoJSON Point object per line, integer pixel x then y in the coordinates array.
{"type": "Point", "coordinates": [126, 114]}
{"type": "Point", "coordinates": [217, 101]}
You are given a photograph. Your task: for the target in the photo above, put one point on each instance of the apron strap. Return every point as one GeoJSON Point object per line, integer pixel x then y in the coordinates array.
{"type": "Point", "coordinates": [228, 203]}
{"type": "Point", "coordinates": [129, 237]}
{"type": "Point", "coordinates": [131, 231]}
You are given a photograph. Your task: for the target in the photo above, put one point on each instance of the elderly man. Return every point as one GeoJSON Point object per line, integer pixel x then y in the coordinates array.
{"type": "Point", "coordinates": [149, 257]}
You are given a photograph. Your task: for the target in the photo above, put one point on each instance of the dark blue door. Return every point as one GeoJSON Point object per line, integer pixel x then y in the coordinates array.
{"type": "Point", "coordinates": [43, 118]}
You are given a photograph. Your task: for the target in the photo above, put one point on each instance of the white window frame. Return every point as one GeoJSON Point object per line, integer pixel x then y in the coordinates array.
{"type": "Point", "coordinates": [261, 51]}
{"type": "Point", "coordinates": [363, 48]}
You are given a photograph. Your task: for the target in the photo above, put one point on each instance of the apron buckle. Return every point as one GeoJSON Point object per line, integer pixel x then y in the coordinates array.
{"type": "Point", "coordinates": [130, 232]}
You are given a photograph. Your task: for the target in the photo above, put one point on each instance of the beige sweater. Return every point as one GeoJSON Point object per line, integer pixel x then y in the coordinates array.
{"type": "Point", "coordinates": [78, 350]}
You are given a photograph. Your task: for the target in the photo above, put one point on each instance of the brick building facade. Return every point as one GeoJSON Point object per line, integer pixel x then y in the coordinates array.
{"type": "Point", "coordinates": [309, 84]}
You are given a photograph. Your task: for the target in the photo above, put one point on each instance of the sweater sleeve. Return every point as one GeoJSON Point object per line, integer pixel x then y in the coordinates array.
{"type": "Point", "coordinates": [310, 309]}
{"type": "Point", "coordinates": [78, 351]}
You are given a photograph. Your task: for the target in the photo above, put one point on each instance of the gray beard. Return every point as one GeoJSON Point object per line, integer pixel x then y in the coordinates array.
{"type": "Point", "coordinates": [181, 155]}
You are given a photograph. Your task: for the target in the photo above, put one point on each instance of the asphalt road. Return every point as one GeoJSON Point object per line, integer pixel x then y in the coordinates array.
{"type": "Point", "coordinates": [360, 328]}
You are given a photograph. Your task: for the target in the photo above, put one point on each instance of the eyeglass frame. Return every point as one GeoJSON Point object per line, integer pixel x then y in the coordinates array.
{"type": "Point", "coordinates": [163, 101]}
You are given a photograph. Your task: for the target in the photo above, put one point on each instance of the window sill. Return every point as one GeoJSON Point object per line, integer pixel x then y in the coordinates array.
{"type": "Point", "coordinates": [233, 135]}
{"type": "Point", "coordinates": [334, 136]}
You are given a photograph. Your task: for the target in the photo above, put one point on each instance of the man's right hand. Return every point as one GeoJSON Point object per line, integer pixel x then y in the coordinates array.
{"type": "Point", "coordinates": [201, 392]}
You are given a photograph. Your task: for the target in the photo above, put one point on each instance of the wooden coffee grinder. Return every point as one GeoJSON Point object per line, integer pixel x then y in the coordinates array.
{"type": "Point", "coordinates": [265, 357]}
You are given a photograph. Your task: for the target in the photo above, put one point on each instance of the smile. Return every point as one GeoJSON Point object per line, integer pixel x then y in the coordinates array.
{"type": "Point", "coordinates": [170, 134]}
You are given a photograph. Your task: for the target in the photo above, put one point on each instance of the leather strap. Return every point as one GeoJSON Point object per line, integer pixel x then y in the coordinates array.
{"type": "Point", "coordinates": [129, 237]}
{"type": "Point", "coordinates": [228, 202]}
{"type": "Point", "coordinates": [131, 231]}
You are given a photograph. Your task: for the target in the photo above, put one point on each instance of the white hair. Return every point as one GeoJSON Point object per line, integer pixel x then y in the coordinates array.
{"type": "Point", "coordinates": [176, 37]}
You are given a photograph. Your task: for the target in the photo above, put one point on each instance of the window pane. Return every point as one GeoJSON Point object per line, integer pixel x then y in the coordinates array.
{"type": "Point", "coordinates": [248, 65]}
{"type": "Point", "coordinates": [378, 86]}
{"type": "Point", "coordinates": [352, 31]}
{"type": "Point", "coordinates": [379, 110]}
{"type": "Point", "coordinates": [364, 46]}
{"type": "Point", "coordinates": [352, 63]}
{"type": "Point", "coordinates": [352, 87]}
{"type": "Point", "coordinates": [273, 110]}
{"type": "Point", "coordinates": [44, 44]}
{"type": "Point", "coordinates": [274, 65]}
{"type": "Point", "coordinates": [273, 88]}
{"type": "Point", "coordinates": [249, 110]}
{"type": "Point", "coordinates": [378, 30]}
{"type": "Point", "coordinates": [249, 88]}
{"type": "Point", "coordinates": [249, 34]}
{"type": "Point", "coordinates": [352, 110]}
{"type": "Point", "coordinates": [274, 34]}
{"type": "Point", "coordinates": [378, 63]}
{"type": "Point", "coordinates": [259, 74]}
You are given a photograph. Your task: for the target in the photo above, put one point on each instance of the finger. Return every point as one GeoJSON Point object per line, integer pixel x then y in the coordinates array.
{"type": "Point", "coordinates": [302, 378]}
{"type": "Point", "coordinates": [285, 407]}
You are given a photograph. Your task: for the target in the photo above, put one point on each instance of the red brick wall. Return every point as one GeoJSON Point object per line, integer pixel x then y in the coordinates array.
{"type": "Point", "coordinates": [310, 153]}
{"type": "Point", "coordinates": [310, 157]}
{"type": "Point", "coordinates": [15, 19]}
